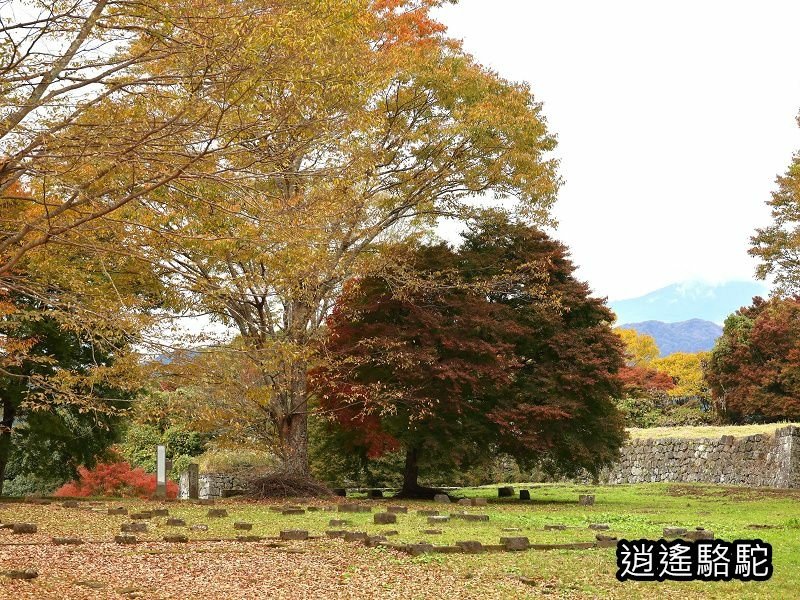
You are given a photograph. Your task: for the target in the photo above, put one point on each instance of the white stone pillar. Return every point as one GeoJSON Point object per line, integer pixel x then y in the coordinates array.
{"type": "Point", "coordinates": [161, 472]}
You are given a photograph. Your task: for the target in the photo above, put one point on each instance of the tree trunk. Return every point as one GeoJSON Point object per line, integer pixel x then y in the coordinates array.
{"type": "Point", "coordinates": [293, 428]}
{"type": "Point", "coordinates": [411, 471]}
{"type": "Point", "coordinates": [9, 412]}
{"type": "Point", "coordinates": [411, 487]}
{"type": "Point", "coordinates": [296, 445]}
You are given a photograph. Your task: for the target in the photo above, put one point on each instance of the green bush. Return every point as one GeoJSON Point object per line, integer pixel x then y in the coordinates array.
{"type": "Point", "coordinates": [179, 465]}
{"type": "Point", "coordinates": [502, 468]}
{"type": "Point", "coordinates": [340, 468]}
{"type": "Point", "coordinates": [639, 412]}
{"type": "Point", "coordinates": [231, 460]}
{"type": "Point", "coordinates": [180, 441]}
{"type": "Point", "coordinates": [663, 411]}
{"type": "Point", "coordinates": [31, 485]}
{"type": "Point", "coordinates": [689, 413]}
{"type": "Point", "coordinates": [334, 460]}
{"type": "Point", "coordinates": [139, 446]}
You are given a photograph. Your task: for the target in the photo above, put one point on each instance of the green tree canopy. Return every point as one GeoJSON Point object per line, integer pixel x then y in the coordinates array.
{"type": "Point", "coordinates": [43, 431]}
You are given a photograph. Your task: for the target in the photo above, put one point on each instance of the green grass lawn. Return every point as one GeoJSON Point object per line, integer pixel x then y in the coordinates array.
{"type": "Point", "coordinates": [632, 511]}
{"type": "Point", "coordinates": [705, 431]}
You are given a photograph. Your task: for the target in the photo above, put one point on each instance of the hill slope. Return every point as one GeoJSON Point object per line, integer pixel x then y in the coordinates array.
{"type": "Point", "coordinates": [694, 335]}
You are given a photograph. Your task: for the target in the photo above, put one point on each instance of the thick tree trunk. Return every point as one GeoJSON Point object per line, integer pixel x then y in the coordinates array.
{"type": "Point", "coordinates": [296, 445]}
{"type": "Point", "coordinates": [411, 487]}
{"type": "Point", "coordinates": [411, 471]}
{"type": "Point", "coordinates": [293, 428]}
{"type": "Point", "coordinates": [7, 421]}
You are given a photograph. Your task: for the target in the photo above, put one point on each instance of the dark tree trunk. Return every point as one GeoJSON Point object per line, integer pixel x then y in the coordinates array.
{"type": "Point", "coordinates": [411, 487]}
{"type": "Point", "coordinates": [411, 471]}
{"type": "Point", "coordinates": [9, 413]}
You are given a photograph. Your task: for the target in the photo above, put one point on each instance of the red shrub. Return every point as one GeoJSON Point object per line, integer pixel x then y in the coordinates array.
{"type": "Point", "coordinates": [114, 479]}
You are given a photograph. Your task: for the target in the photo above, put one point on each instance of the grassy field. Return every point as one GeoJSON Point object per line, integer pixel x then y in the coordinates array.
{"type": "Point", "coordinates": [349, 570]}
{"type": "Point", "coordinates": [705, 431]}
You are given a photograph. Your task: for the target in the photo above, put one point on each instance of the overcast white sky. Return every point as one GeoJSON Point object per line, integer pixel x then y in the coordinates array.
{"type": "Point", "coordinates": [673, 119]}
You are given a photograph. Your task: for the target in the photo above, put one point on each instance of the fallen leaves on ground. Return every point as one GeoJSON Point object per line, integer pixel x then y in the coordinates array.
{"type": "Point", "coordinates": [325, 569]}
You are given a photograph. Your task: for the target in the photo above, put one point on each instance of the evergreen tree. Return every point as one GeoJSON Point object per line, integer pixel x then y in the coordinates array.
{"type": "Point", "coordinates": [39, 435]}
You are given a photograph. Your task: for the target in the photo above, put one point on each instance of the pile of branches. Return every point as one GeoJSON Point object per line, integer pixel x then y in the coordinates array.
{"type": "Point", "coordinates": [284, 485]}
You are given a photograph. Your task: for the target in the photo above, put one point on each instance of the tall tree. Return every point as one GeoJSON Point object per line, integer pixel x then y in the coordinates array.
{"type": "Point", "coordinates": [559, 412]}
{"type": "Point", "coordinates": [105, 101]}
{"type": "Point", "coordinates": [142, 119]}
{"type": "Point", "coordinates": [754, 370]}
{"type": "Point", "coordinates": [512, 356]}
{"type": "Point", "coordinates": [410, 365]}
{"type": "Point", "coordinates": [404, 128]}
{"type": "Point", "coordinates": [778, 245]}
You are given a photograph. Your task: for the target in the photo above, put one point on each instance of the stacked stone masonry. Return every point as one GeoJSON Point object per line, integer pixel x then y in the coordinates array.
{"type": "Point", "coordinates": [759, 460]}
{"type": "Point", "coordinates": [211, 485]}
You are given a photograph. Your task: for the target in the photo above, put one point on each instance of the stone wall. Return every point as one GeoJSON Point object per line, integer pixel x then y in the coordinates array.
{"type": "Point", "coordinates": [759, 460]}
{"type": "Point", "coordinates": [213, 484]}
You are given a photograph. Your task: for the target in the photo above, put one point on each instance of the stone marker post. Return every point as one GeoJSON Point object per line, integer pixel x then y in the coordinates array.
{"type": "Point", "coordinates": [161, 472]}
{"type": "Point", "coordinates": [194, 481]}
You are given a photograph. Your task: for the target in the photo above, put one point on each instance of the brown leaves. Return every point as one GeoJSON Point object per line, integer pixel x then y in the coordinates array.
{"type": "Point", "coordinates": [331, 569]}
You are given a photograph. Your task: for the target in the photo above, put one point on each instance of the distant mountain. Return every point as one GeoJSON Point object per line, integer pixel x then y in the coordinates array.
{"type": "Point", "coordinates": [694, 335]}
{"type": "Point", "coordinates": [684, 301]}
{"type": "Point", "coordinates": [168, 359]}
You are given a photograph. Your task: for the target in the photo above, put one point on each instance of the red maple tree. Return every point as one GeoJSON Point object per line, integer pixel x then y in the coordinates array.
{"type": "Point", "coordinates": [494, 348]}
{"type": "Point", "coordinates": [754, 370]}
